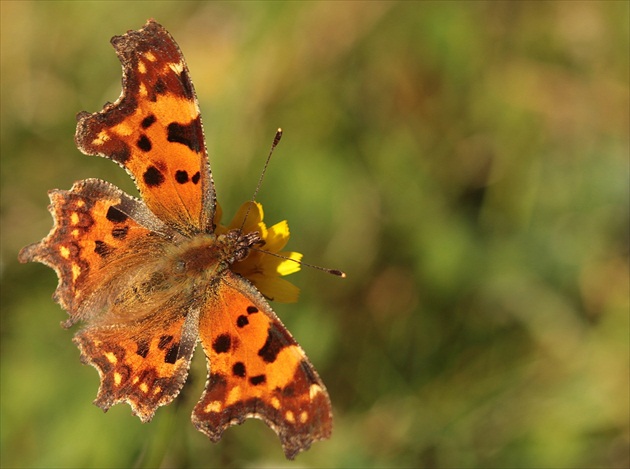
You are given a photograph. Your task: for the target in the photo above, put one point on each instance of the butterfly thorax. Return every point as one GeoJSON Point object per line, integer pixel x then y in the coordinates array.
{"type": "Point", "coordinates": [206, 255]}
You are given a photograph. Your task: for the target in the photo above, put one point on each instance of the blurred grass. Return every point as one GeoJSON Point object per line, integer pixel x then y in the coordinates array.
{"type": "Point", "coordinates": [465, 162]}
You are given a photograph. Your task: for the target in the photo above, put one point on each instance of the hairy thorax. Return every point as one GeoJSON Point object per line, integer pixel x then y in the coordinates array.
{"type": "Point", "coordinates": [202, 257]}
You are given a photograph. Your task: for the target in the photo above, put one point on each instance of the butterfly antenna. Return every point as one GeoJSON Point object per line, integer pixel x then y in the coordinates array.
{"type": "Point", "coordinates": [276, 140]}
{"type": "Point", "coordinates": [336, 272]}
{"type": "Point", "coordinates": [274, 144]}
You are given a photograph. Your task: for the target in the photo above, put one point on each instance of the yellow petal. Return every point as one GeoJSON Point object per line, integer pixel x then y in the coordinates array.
{"type": "Point", "coordinates": [218, 214]}
{"type": "Point", "coordinates": [252, 264]}
{"type": "Point", "coordinates": [220, 229]}
{"type": "Point", "coordinates": [277, 236]}
{"type": "Point", "coordinates": [276, 288]}
{"type": "Point", "coordinates": [288, 267]}
{"type": "Point", "coordinates": [254, 213]}
{"type": "Point", "coordinates": [274, 266]}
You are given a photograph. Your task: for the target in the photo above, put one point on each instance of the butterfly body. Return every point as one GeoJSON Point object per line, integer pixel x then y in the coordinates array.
{"type": "Point", "coordinates": [150, 278]}
{"type": "Point", "coordinates": [205, 257]}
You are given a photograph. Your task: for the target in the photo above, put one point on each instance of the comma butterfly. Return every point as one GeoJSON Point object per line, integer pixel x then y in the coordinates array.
{"type": "Point", "coordinates": [151, 277]}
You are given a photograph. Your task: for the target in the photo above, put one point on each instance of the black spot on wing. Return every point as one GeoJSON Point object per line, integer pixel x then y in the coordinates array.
{"type": "Point", "coordinates": [196, 177]}
{"type": "Point", "coordinates": [222, 343]}
{"type": "Point", "coordinates": [187, 85]}
{"type": "Point", "coordinates": [153, 177]}
{"type": "Point", "coordinates": [258, 379]}
{"type": "Point", "coordinates": [159, 88]}
{"type": "Point", "coordinates": [252, 310]}
{"type": "Point", "coordinates": [238, 369]}
{"type": "Point", "coordinates": [148, 121]}
{"type": "Point", "coordinates": [171, 355]}
{"type": "Point", "coordinates": [120, 233]}
{"type": "Point", "coordinates": [308, 371]}
{"type": "Point", "coordinates": [144, 143]}
{"type": "Point", "coordinates": [102, 248]}
{"type": "Point", "coordinates": [143, 348]}
{"type": "Point", "coordinates": [164, 341]}
{"type": "Point", "coordinates": [181, 177]}
{"type": "Point", "coordinates": [185, 134]}
{"type": "Point", "coordinates": [277, 339]}
{"type": "Point", "coordinates": [114, 215]}
{"type": "Point", "coordinates": [242, 321]}
{"type": "Point", "coordinates": [288, 390]}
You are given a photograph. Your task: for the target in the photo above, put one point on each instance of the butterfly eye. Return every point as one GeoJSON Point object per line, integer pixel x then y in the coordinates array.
{"type": "Point", "coordinates": [233, 235]}
{"type": "Point", "coordinates": [239, 255]}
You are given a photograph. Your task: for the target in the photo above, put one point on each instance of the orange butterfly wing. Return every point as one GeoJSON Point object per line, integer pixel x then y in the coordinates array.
{"type": "Point", "coordinates": [145, 362]}
{"type": "Point", "coordinates": [256, 369]}
{"type": "Point", "coordinates": [94, 222]}
{"type": "Point", "coordinates": [104, 247]}
{"type": "Point", "coordinates": [154, 131]}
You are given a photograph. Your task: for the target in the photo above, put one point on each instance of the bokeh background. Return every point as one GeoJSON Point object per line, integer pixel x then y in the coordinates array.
{"type": "Point", "coordinates": [467, 165]}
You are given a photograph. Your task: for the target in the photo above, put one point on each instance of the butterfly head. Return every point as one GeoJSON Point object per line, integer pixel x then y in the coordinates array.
{"type": "Point", "coordinates": [236, 244]}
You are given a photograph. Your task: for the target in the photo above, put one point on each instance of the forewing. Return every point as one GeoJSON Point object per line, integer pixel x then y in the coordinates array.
{"type": "Point", "coordinates": [154, 130]}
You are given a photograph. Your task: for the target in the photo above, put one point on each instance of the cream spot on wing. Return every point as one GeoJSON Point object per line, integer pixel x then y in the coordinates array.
{"type": "Point", "coordinates": [144, 388]}
{"type": "Point", "coordinates": [289, 416]}
{"type": "Point", "coordinates": [74, 218]}
{"type": "Point", "coordinates": [149, 56]}
{"type": "Point", "coordinates": [214, 406]}
{"type": "Point", "coordinates": [80, 203]}
{"type": "Point", "coordinates": [64, 251]}
{"type": "Point", "coordinates": [142, 90]}
{"type": "Point", "coordinates": [142, 68]}
{"type": "Point", "coordinates": [76, 271]}
{"type": "Point", "coordinates": [111, 358]}
{"type": "Point", "coordinates": [75, 232]}
{"type": "Point", "coordinates": [156, 390]}
{"type": "Point", "coordinates": [117, 378]}
{"type": "Point", "coordinates": [177, 68]}
{"type": "Point", "coordinates": [135, 380]}
{"type": "Point", "coordinates": [314, 390]}
{"type": "Point", "coordinates": [101, 138]}
{"type": "Point", "coordinates": [275, 403]}
{"type": "Point", "coordinates": [303, 416]}
{"type": "Point", "coordinates": [234, 395]}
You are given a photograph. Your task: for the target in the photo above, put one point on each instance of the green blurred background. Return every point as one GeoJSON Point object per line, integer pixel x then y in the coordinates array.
{"type": "Point", "coordinates": [466, 163]}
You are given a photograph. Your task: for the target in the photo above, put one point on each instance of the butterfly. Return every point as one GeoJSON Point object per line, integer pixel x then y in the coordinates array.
{"type": "Point", "coordinates": [150, 278]}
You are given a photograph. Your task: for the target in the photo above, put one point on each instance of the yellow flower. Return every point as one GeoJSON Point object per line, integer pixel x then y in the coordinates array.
{"type": "Point", "coordinates": [264, 270]}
